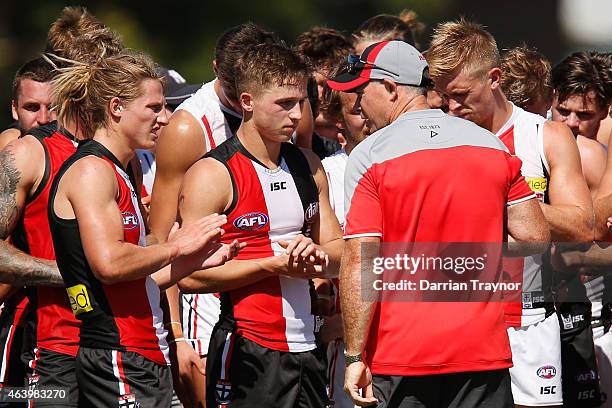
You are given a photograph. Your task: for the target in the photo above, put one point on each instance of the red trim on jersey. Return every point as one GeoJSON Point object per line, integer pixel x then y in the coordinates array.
{"type": "Point", "coordinates": [209, 132]}
{"type": "Point", "coordinates": [507, 138]}
{"type": "Point", "coordinates": [195, 324]}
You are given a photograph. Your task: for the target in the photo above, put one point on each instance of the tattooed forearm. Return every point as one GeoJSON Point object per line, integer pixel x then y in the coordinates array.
{"type": "Point", "coordinates": [20, 269]}
{"type": "Point", "coordinates": [16, 267]}
{"type": "Point", "coordinates": [9, 179]}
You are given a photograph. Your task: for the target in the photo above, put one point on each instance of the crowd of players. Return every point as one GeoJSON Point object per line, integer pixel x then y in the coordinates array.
{"type": "Point", "coordinates": [251, 315]}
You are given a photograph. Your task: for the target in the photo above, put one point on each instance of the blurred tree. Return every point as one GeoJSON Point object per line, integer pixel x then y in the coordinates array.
{"type": "Point", "coordinates": [182, 34]}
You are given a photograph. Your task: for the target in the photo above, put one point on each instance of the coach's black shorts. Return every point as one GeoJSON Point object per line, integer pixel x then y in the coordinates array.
{"type": "Point", "coordinates": [54, 371]}
{"type": "Point", "coordinates": [457, 390]}
{"type": "Point", "coordinates": [241, 373]}
{"type": "Point", "coordinates": [124, 379]}
{"type": "Point", "coordinates": [580, 376]}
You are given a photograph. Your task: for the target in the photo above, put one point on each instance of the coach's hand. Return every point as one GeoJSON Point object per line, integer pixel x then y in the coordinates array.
{"type": "Point", "coordinates": [357, 376]}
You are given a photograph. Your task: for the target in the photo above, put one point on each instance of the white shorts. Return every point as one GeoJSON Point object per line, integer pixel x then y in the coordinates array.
{"type": "Point", "coordinates": [536, 355]}
{"type": "Point", "coordinates": [199, 313]}
{"type": "Point", "coordinates": [603, 353]}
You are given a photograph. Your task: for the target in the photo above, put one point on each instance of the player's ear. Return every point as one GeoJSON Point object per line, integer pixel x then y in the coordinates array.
{"type": "Point", "coordinates": [495, 75]}
{"type": "Point", "coordinates": [246, 101]}
{"type": "Point", "coordinates": [215, 67]}
{"type": "Point", "coordinates": [14, 109]}
{"type": "Point", "coordinates": [115, 108]}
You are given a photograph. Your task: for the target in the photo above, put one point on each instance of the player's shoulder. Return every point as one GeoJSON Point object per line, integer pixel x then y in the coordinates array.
{"type": "Point", "coordinates": [590, 149]}
{"type": "Point", "coordinates": [204, 102]}
{"type": "Point", "coordinates": [554, 129]}
{"type": "Point", "coordinates": [8, 135]}
{"type": "Point", "coordinates": [338, 157]}
{"type": "Point", "coordinates": [207, 168]}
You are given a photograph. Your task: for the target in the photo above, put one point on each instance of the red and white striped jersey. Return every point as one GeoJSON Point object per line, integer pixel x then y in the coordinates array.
{"type": "Point", "coordinates": [522, 135]}
{"type": "Point", "coordinates": [268, 206]}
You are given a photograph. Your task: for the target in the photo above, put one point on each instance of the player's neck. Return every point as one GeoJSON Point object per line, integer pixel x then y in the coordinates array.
{"type": "Point", "coordinates": [501, 112]}
{"type": "Point", "coordinates": [223, 98]}
{"type": "Point", "coordinates": [75, 130]}
{"type": "Point", "coordinates": [116, 144]}
{"type": "Point", "coordinates": [266, 151]}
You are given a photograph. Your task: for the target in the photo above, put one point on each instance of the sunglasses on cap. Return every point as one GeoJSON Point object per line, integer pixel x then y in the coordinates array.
{"type": "Point", "coordinates": [355, 64]}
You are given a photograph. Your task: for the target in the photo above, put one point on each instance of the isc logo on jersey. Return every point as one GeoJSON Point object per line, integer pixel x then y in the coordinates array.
{"type": "Point", "coordinates": [547, 372]}
{"type": "Point", "coordinates": [130, 220]}
{"type": "Point", "coordinates": [252, 221]}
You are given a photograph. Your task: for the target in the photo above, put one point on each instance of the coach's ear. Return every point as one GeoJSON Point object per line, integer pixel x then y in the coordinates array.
{"type": "Point", "coordinates": [391, 88]}
{"type": "Point", "coordinates": [495, 75]}
{"type": "Point", "coordinates": [246, 102]}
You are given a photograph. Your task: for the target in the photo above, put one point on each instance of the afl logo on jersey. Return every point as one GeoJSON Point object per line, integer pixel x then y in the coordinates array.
{"type": "Point", "coordinates": [251, 221]}
{"type": "Point", "coordinates": [547, 372]}
{"type": "Point", "coordinates": [311, 212]}
{"type": "Point", "coordinates": [130, 220]}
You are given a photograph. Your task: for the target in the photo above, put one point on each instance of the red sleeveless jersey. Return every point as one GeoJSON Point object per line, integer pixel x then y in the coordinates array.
{"type": "Point", "coordinates": [125, 316]}
{"type": "Point", "coordinates": [55, 327]}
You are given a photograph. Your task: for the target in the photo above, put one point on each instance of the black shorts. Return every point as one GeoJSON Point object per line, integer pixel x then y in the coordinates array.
{"type": "Point", "coordinates": [457, 390]}
{"type": "Point", "coordinates": [241, 373]}
{"type": "Point", "coordinates": [13, 370]}
{"type": "Point", "coordinates": [53, 371]}
{"type": "Point", "coordinates": [580, 376]}
{"type": "Point", "coordinates": [111, 378]}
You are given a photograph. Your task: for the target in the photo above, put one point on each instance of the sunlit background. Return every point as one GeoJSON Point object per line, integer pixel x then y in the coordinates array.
{"type": "Point", "coordinates": [181, 34]}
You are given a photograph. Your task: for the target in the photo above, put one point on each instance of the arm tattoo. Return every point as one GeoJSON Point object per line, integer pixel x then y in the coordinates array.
{"type": "Point", "coordinates": [9, 179]}
{"type": "Point", "coordinates": [16, 267]}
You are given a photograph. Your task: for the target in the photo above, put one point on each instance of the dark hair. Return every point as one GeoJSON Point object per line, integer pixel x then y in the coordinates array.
{"type": "Point", "coordinates": [331, 103]}
{"type": "Point", "coordinates": [583, 72]}
{"type": "Point", "coordinates": [323, 47]}
{"type": "Point", "coordinates": [268, 65]}
{"type": "Point", "coordinates": [525, 76]}
{"type": "Point", "coordinates": [38, 70]}
{"type": "Point", "coordinates": [382, 27]}
{"type": "Point", "coordinates": [231, 46]}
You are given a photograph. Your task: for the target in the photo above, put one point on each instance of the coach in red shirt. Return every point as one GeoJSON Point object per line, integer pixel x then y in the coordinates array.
{"type": "Point", "coordinates": [424, 177]}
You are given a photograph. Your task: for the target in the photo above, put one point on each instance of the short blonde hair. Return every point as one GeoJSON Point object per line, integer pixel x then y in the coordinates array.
{"type": "Point", "coordinates": [82, 91]}
{"type": "Point", "coordinates": [525, 76]}
{"type": "Point", "coordinates": [461, 46]}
